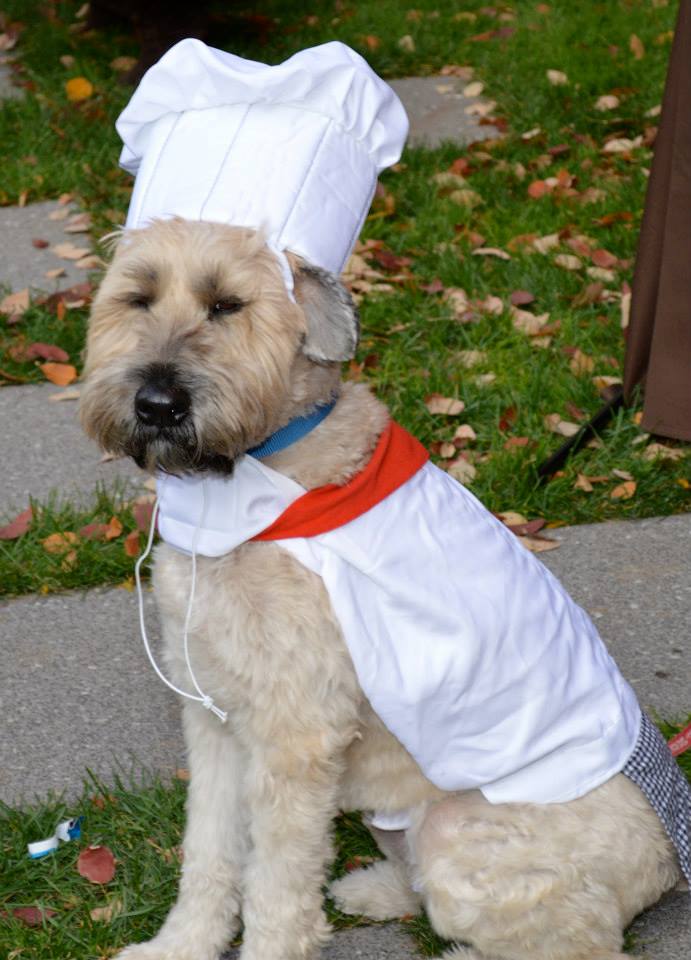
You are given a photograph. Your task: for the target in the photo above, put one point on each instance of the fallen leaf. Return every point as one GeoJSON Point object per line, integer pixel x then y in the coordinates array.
{"type": "Point", "coordinates": [183, 774]}
{"type": "Point", "coordinates": [539, 544]}
{"type": "Point", "coordinates": [131, 544]}
{"type": "Point", "coordinates": [622, 144]}
{"type": "Point", "coordinates": [491, 252]}
{"type": "Point", "coordinates": [557, 78]}
{"type": "Point", "coordinates": [521, 298]}
{"type": "Point", "coordinates": [546, 243]}
{"type": "Point", "coordinates": [89, 262]}
{"type": "Point", "coordinates": [15, 304]}
{"type": "Point", "coordinates": [466, 198]}
{"type": "Point", "coordinates": [473, 89]}
{"type": "Point", "coordinates": [555, 424]}
{"type": "Point", "coordinates": [603, 258]}
{"type": "Point", "coordinates": [142, 512]}
{"type": "Point", "coordinates": [79, 223]}
{"type": "Point", "coordinates": [60, 543]}
{"type": "Point", "coordinates": [568, 261]}
{"type": "Point", "coordinates": [73, 394]}
{"type": "Point", "coordinates": [46, 351]}
{"type": "Point", "coordinates": [78, 88]}
{"type": "Point", "coordinates": [447, 450]}
{"type": "Point", "coordinates": [529, 323]}
{"type": "Point", "coordinates": [461, 470]}
{"type": "Point", "coordinates": [33, 916]}
{"type": "Point", "coordinates": [94, 531]}
{"type": "Point", "coordinates": [449, 406]}
{"type": "Point", "coordinates": [371, 42]}
{"type": "Point", "coordinates": [581, 363]}
{"type": "Point", "coordinates": [514, 442]}
{"type": "Point", "coordinates": [625, 308]}
{"type": "Point", "coordinates": [623, 491]}
{"type": "Point", "coordinates": [54, 273]}
{"type": "Point", "coordinates": [458, 300]}
{"type": "Point", "coordinates": [622, 474]}
{"type": "Point", "coordinates": [68, 251]}
{"type": "Point", "coordinates": [40, 244]}
{"type": "Point", "coordinates": [491, 304]}
{"type": "Point", "coordinates": [636, 47]}
{"type": "Point", "coordinates": [482, 108]}
{"type": "Point", "coordinates": [123, 64]}
{"type": "Point", "coordinates": [465, 432]}
{"type": "Point", "coordinates": [531, 134]}
{"type": "Point", "coordinates": [407, 43]}
{"type": "Point", "coordinates": [470, 358]}
{"type": "Point", "coordinates": [525, 528]}
{"type": "Point", "coordinates": [485, 379]}
{"type": "Point", "coordinates": [17, 527]}
{"type": "Point", "coordinates": [106, 914]}
{"type": "Point", "coordinates": [61, 374]}
{"type": "Point", "coordinates": [602, 382]}
{"type": "Point", "coordinates": [607, 102]}
{"type": "Point", "coordinates": [537, 189]}
{"type": "Point", "coordinates": [661, 451]}
{"type": "Point", "coordinates": [97, 864]}
{"type": "Point", "coordinates": [60, 214]}
{"type": "Point", "coordinates": [600, 273]}
{"type": "Point", "coordinates": [583, 483]}
{"type": "Point", "coordinates": [114, 529]}
{"type": "Point", "coordinates": [509, 517]}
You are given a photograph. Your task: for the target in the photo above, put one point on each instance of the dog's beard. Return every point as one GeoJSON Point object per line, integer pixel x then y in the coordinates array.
{"type": "Point", "coordinates": [176, 450]}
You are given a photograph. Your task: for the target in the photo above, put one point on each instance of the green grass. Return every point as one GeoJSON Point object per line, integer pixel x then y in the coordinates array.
{"type": "Point", "coordinates": [29, 565]}
{"type": "Point", "coordinates": [141, 821]}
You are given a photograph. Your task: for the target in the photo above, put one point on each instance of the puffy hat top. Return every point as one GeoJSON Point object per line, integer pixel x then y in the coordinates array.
{"type": "Point", "coordinates": [293, 149]}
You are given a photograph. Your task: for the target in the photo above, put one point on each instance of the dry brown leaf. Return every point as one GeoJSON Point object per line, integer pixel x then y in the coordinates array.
{"type": "Point", "coordinates": [607, 102]}
{"type": "Point", "coordinates": [447, 450]}
{"type": "Point", "coordinates": [555, 424]}
{"type": "Point", "coordinates": [636, 47]}
{"type": "Point", "coordinates": [449, 406]}
{"type": "Point", "coordinates": [546, 243]}
{"type": "Point", "coordinates": [601, 273]}
{"type": "Point", "coordinates": [541, 342]}
{"type": "Point", "coordinates": [465, 432]}
{"type": "Point", "coordinates": [537, 189]}
{"type": "Point", "coordinates": [470, 358]}
{"type": "Point", "coordinates": [60, 543]}
{"type": "Point", "coordinates": [79, 223]}
{"type": "Point", "coordinates": [625, 308]}
{"type": "Point", "coordinates": [131, 544]}
{"type": "Point", "coordinates": [583, 483]}
{"type": "Point", "coordinates": [54, 273]}
{"type": "Point", "coordinates": [107, 913]}
{"type": "Point", "coordinates": [557, 78]}
{"type": "Point", "coordinates": [485, 379]}
{"type": "Point", "coordinates": [482, 108]}
{"type": "Point", "coordinates": [407, 43]}
{"type": "Point", "coordinates": [458, 299]}
{"type": "Point", "coordinates": [17, 527]}
{"type": "Point", "coordinates": [461, 470]}
{"type": "Point", "coordinates": [491, 304]}
{"type": "Point", "coordinates": [473, 89]}
{"type": "Point", "coordinates": [59, 214]}
{"type": "Point", "coordinates": [447, 178]}
{"type": "Point", "coordinates": [511, 518]}
{"type": "Point", "coordinates": [466, 197]}
{"type": "Point", "coordinates": [15, 304]}
{"type": "Point", "coordinates": [661, 451]}
{"type": "Point", "coordinates": [72, 394]}
{"type": "Point", "coordinates": [568, 261]}
{"type": "Point", "coordinates": [91, 262]}
{"type": "Point", "coordinates": [78, 88]}
{"type": "Point", "coordinates": [182, 773]}
{"type": "Point", "coordinates": [123, 64]}
{"type": "Point", "coordinates": [622, 144]}
{"type": "Point", "coordinates": [114, 529]}
{"type": "Point", "coordinates": [491, 252]}
{"type": "Point", "coordinates": [68, 251]}
{"type": "Point", "coordinates": [97, 864]}
{"type": "Point", "coordinates": [602, 382]}
{"type": "Point", "coordinates": [31, 917]}
{"type": "Point", "coordinates": [623, 491]}
{"type": "Point", "coordinates": [539, 544]}
{"type": "Point", "coordinates": [622, 474]}
{"type": "Point", "coordinates": [527, 322]}
{"type": "Point", "coordinates": [61, 374]}
{"type": "Point", "coordinates": [581, 363]}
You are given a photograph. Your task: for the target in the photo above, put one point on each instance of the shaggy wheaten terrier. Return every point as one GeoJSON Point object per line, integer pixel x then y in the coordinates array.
{"type": "Point", "coordinates": [197, 313]}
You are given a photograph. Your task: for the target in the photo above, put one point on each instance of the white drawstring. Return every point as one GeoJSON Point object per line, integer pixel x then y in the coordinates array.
{"type": "Point", "coordinates": [203, 698]}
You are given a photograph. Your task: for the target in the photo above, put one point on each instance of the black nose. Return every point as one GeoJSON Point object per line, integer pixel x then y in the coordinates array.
{"type": "Point", "coordinates": [159, 405]}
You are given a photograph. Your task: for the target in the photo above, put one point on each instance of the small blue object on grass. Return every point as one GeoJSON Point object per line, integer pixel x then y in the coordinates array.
{"type": "Point", "coordinates": [65, 831]}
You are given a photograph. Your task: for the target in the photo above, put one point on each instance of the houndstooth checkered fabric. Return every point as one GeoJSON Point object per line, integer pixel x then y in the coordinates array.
{"type": "Point", "coordinates": [654, 770]}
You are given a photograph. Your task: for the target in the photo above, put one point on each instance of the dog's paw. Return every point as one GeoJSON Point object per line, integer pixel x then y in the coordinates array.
{"type": "Point", "coordinates": [380, 892]}
{"type": "Point", "coordinates": [157, 949]}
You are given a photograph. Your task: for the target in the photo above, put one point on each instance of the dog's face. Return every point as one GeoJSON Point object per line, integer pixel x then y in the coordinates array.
{"type": "Point", "coordinates": [195, 351]}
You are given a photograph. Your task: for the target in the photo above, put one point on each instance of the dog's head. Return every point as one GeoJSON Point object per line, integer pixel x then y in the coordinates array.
{"type": "Point", "coordinates": [195, 351]}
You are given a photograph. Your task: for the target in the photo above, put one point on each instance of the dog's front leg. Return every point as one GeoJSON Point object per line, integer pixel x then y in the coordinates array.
{"type": "Point", "coordinates": [292, 795]}
{"type": "Point", "coordinates": [205, 916]}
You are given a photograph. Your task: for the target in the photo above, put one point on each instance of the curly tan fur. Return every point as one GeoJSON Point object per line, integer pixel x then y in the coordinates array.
{"type": "Point", "coordinates": [517, 882]}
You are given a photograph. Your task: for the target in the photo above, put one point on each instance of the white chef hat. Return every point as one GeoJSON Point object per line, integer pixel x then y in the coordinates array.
{"type": "Point", "coordinates": [294, 150]}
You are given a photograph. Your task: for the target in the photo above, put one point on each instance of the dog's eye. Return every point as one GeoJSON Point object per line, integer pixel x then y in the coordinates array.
{"type": "Point", "coordinates": [140, 303]}
{"type": "Point", "coordinates": [224, 307]}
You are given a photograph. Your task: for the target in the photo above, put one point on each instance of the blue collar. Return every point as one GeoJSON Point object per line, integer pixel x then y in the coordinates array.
{"type": "Point", "coordinates": [292, 432]}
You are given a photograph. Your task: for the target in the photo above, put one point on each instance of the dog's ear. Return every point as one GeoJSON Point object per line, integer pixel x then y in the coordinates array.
{"type": "Point", "coordinates": [333, 323]}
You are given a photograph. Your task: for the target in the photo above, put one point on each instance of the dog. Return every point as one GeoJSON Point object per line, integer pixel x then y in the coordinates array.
{"type": "Point", "coordinates": [194, 318]}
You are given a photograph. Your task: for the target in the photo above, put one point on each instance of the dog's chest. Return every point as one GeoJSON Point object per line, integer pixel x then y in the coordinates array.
{"type": "Point", "coordinates": [261, 630]}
